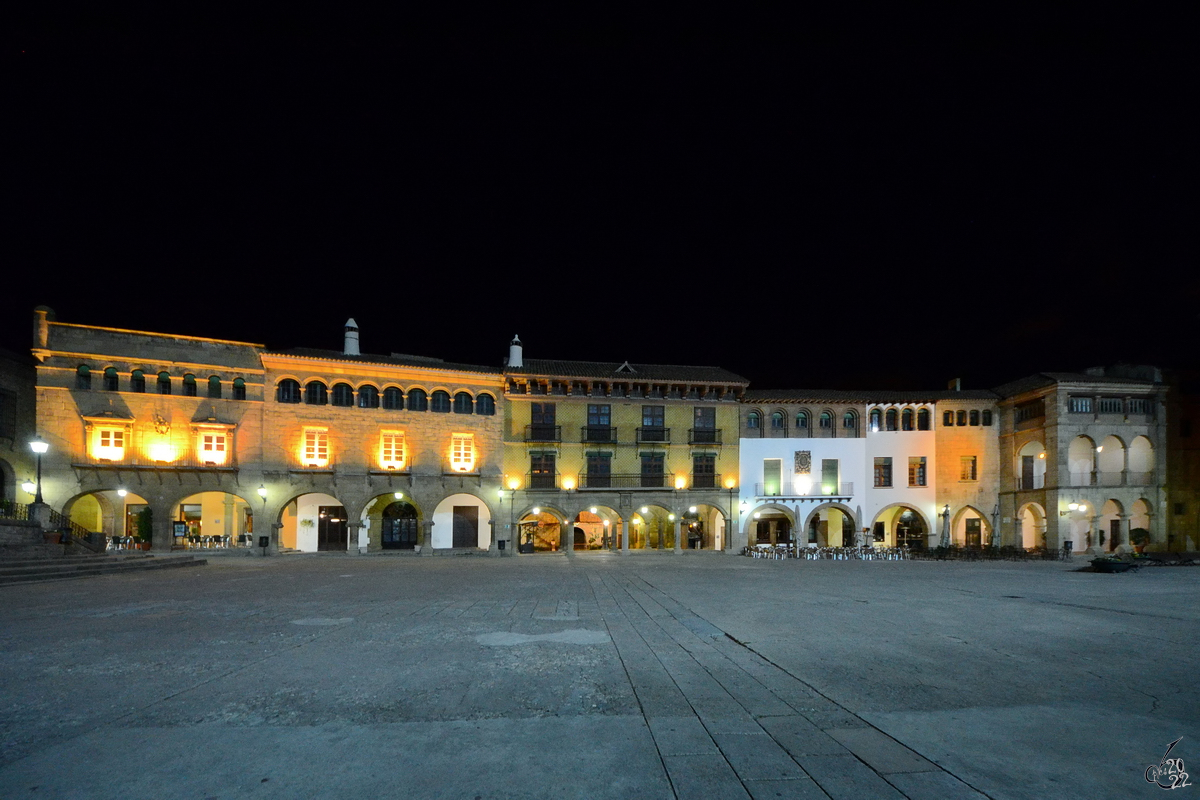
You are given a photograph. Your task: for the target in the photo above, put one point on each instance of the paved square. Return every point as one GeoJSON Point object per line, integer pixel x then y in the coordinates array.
{"type": "Point", "coordinates": [598, 676]}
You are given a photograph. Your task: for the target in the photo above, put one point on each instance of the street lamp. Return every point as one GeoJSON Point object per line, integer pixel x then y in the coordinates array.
{"type": "Point", "coordinates": [38, 446]}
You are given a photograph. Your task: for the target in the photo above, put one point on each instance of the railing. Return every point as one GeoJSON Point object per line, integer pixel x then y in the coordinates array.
{"type": "Point", "coordinates": [11, 510]}
{"type": "Point", "coordinates": [1028, 484]}
{"type": "Point", "coordinates": [703, 481]}
{"type": "Point", "coordinates": [79, 534]}
{"type": "Point", "coordinates": [183, 462]}
{"type": "Point", "coordinates": [598, 433]}
{"type": "Point", "coordinates": [816, 490]}
{"type": "Point", "coordinates": [543, 433]}
{"type": "Point", "coordinates": [1083, 479]}
{"type": "Point", "coordinates": [650, 435]}
{"type": "Point", "coordinates": [704, 436]}
{"type": "Point", "coordinates": [634, 481]}
{"type": "Point", "coordinates": [1108, 478]}
{"type": "Point", "coordinates": [1141, 478]}
{"type": "Point", "coordinates": [541, 481]}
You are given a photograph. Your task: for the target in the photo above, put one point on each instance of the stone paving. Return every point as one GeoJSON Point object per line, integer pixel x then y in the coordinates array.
{"type": "Point", "coordinates": [597, 676]}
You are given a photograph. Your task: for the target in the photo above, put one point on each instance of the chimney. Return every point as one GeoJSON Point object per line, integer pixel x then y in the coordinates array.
{"type": "Point", "coordinates": [351, 348]}
{"type": "Point", "coordinates": [42, 317]}
{"type": "Point", "coordinates": [514, 353]}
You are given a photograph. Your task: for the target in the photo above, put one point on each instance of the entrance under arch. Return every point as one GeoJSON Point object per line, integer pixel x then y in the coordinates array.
{"type": "Point", "coordinates": [314, 522]}
{"type": "Point", "coordinates": [831, 526]}
{"type": "Point", "coordinates": [901, 526]}
{"type": "Point", "coordinates": [1031, 525]}
{"type": "Point", "coordinates": [703, 528]}
{"type": "Point", "coordinates": [652, 528]}
{"type": "Point", "coordinates": [119, 517]}
{"type": "Point", "coordinates": [212, 520]}
{"type": "Point", "coordinates": [399, 527]}
{"type": "Point", "coordinates": [539, 532]}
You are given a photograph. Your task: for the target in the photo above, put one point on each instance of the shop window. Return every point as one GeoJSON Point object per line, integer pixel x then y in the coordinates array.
{"type": "Point", "coordinates": [164, 383]}
{"type": "Point", "coordinates": [111, 381]}
{"type": "Point", "coordinates": [439, 402]}
{"type": "Point", "coordinates": [137, 381]}
{"type": "Point", "coordinates": [463, 403]}
{"type": "Point", "coordinates": [393, 399]}
{"type": "Point", "coordinates": [343, 395]}
{"type": "Point", "coordinates": [316, 394]}
{"type": "Point", "coordinates": [288, 391]}
{"type": "Point", "coordinates": [368, 397]}
{"type": "Point", "coordinates": [189, 385]}
{"type": "Point", "coordinates": [418, 400]}
{"type": "Point", "coordinates": [392, 454]}
{"type": "Point", "coordinates": [462, 452]}
{"type": "Point", "coordinates": [485, 405]}
{"type": "Point", "coordinates": [214, 388]}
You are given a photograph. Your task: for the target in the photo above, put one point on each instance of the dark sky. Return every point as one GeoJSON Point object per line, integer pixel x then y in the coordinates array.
{"type": "Point", "coordinates": [878, 202]}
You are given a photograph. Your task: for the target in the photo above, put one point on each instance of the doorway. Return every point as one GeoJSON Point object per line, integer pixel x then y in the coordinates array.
{"type": "Point", "coordinates": [331, 528]}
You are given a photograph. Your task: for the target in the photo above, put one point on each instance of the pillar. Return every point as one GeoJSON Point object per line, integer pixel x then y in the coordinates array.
{"type": "Point", "coordinates": [426, 538]}
{"type": "Point", "coordinates": [676, 526]}
{"type": "Point", "coordinates": [352, 534]}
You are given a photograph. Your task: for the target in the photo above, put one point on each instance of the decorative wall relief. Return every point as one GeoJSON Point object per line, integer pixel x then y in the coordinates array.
{"type": "Point", "coordinates": [803, 462]}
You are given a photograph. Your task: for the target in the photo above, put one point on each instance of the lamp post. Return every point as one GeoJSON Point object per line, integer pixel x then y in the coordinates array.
{"type": "Point", "coordinates": [39, 446]}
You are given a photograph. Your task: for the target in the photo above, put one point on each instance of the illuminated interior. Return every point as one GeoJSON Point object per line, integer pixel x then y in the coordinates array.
{"type": "Point", "coordinates": [314, 450]}
{"type": "Point", "coordinates": [462, 452]}
{"type": "Point", "coordinates": [213, 447]}
{"type": "Point", "coordinates": [108, 444]}
{"type": "Point", "coordinates": [391, 450]}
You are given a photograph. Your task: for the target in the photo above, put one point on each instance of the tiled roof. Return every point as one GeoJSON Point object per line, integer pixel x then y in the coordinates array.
{"type": "Point", "coordinates": [613, 370]}
{"type": "Point", "coordinates": [393, 360]}
{"type": "Point", "coordinates": [864, 396]}
{"type": "Point", "coordinates": [1042, 379]}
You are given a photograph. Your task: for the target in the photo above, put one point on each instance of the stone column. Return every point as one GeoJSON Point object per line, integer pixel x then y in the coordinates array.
{"type": "Point", "coordinates": [352, 534]}
{"type": "Point", "coordinates": [493, 548]}
{"type": "Point", "coordinates": [1096, 548]}
{"type": "Point", "coordinates": [676, 527]}
{"type": "Point", "coordinates": [426, 538]}
{"type": "Point", "coordinates": [567, 536]}
{"type": "Point", "coordinates": [624, 534]}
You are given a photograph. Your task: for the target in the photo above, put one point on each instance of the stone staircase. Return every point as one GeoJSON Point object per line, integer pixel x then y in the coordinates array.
{"type": "Point", "coordinates": [39, 570]}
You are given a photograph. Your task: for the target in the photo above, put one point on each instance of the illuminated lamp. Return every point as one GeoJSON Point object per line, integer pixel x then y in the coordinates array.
{"type": "Point", "coordinates": [670, 517]}
{"type": "Point", "coordinates": [568, 483]}
{"type": "Point", "coordinates": [645, 510]}
{"type": "Point", "coordinates": [803, 485]}
{"type": "Point", "coordinates": [536, 511]}
{"type": "Point", "coordinates": [162, 452]}
{"type": "Point", "coordinates": [680, 482]}
{"type": "Point", "coordinates": [122, 492]}
{"type": "Point", "coordinates": [757, 514]}
{"type": "Point", "coordinates": [1041, 455]}
{"type": "Point", "coordinates": [514, 483]}
{"type": "Point", "coordinates": [262, 492]}
{"type": "Point", "coordinates": [730, 482]}
{"type": "Point", "coordinates": [398, 495]}
{"type": "Point", "coordinates": [29, 486]}
{"type": "Point", "coordinates": [691, 509]}
{"type": "Point", "coordinates": [593, 509]}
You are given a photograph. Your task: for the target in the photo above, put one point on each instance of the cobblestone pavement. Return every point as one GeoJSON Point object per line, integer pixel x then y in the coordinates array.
{"type": "Point", "coordinates": [597, 676]}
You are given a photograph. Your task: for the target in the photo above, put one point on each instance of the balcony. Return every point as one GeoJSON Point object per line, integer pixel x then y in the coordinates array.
{"type": "Point", "coordinates": [604, 434]}
{"type": "Point", "coordinates": [816, 490]}
{"type": "Point", "coordinates": [649, 435]}
{"type": "Point", "coordinates": [1082, 479]}
{"type": "Point", "coordinates": [704, 436]}
{"type": "Point", "coordinates": [146, 462]}
{"type": "Point", "coordinates": [1029, 483]}
{"type": "Point", "coordinates": [541, 481]}
{"type": "Point", "coordinates": [543, 433]}
{"type": "Point", "coordinates": [625, 482]}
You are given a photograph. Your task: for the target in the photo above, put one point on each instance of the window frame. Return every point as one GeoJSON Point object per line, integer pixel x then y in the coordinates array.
{"type": "Point", "coordinates": [882, 472]}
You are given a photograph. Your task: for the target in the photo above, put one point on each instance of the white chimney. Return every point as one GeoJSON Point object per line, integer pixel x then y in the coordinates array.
{"type": "Point", "coordinates": [351, 348]}
{"type": "Point", "coordinates": [514, 353]}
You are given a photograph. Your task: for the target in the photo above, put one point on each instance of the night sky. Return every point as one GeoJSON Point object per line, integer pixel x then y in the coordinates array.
{"type": "Point", "coordinates": [881, 202]}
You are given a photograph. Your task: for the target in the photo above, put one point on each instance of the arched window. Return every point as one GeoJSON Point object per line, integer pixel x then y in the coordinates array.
{"type": "Point", "coordinates": [876, 419]}
{"type": "Point", "coordinates": [368, 397]}
{"type": "Point", "coordinates": [189, 385]}
{"type": "Point", "coordinates": [802, 420]}
{"type": "Point", "coordinates": [463, 403]}
{"type": "Point", "coordinates": [83, 377]}
{"type": "Point", "coordinates": [485, 405]}
{"type": "Point", "coordinates": [850, 421]}
{"type": "Point", "coordinates": [137, 381]}
{"type": "Point", "coordinates": [825, 420]}
{"type": "Point", "coordinates": [111, 381]}
{"type": "Point", "coordinates": [974, 417]}
{"type": "Point", "coordinates": [288, 391]}
{"type": "Point", "coordinates": [417, 400]}
{"type": "Point", "coordinates": [906, 420]}
{"type": "Point", "coordinates": [164, 383]}
{"type": "Point", "coordinates": [777, 420]}
{"type": "Point", "coordinates": [315, 394]}
{"type": "Point", "coordinates": [393, 399]}
{"type": "Point", "coordinates": [753, 420]}
{"type": "Point", "coordinates": [889, 419]}
{"type": "Point", "coordinates": [214, 387]}
{"type": "Point", "coordinates": [343, 395]}
{"type": "Point", "coordinates": [947, 419]}
{"type": "Point", "coordinates": [439, 402]}
{"type": "Point", "coordinates": [923, 419]}
{"type": "Point", "coordinates": [239, 388]}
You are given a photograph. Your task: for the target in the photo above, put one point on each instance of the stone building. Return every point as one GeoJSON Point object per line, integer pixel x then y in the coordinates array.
{"type": "Point", "coordinates": [1083, 458]}
{"type": "Point", "coordinates": [620, 456]}
{"type": "Point", "coordinates": [17, 417]}
{"type": "Point", "coordinates": [227, 442]}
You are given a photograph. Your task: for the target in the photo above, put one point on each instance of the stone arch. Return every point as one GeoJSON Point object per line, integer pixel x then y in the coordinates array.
{"type": "Point", "coordinates": [967, 534]}
{"type": "Point", "coordinates": [1030, 525]}
{"type": "Point", "coordinates": [1141, 515]}
{"type": "Point", "coordinates": [1110, 520]}
{"type": "Point", "coordinates": [1141, 461]}
{"type": "Point", "coordinates": [652, 527]}
{"type": "Point", "coordinates": [765, 523]}
{"type": "Point", "coordinates": [8, 482]}
{"type": "Point", "coordinates": [462, 519]}
{"type": "Point", "coordinates": [903, 526]}
{"type": "Point", "coordinates": [222, 519]}
{"type": "Point", "coordinates": [303, 524]}
{"type": "Point", "coordinates": [1081, 460]}
{"type": "Point", "coordinates": [705, 528]}
{"type": "Point", "coordinates": [1030, 466]}
{"type": "Point", "coordinates": [540, 528]}
{"type": "Point", "coordinates": [1110, 460]}
{"type": "Point", "coordinates": [831, 525]}
{"type": "Point", "coordinates": [393, 521]}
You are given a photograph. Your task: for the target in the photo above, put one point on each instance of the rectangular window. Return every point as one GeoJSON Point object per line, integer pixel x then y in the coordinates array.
{"type": "Point", "coordinates": [947, 419]}
{"type": "Point", "coordinates": [1112, 405]}
{"type": "Point", "coordinates": [316, 447]}
{"type": "Point", "coordinates": [704, 471]}
{"type": "Point", "coordinates": [542, 427]}
{"type": "Point", "coordinates": [987, 418]}
{"type": "Point", "coordinates": [975, 418]}
{"type": "Point", "coordinates": [704, 426]}
{"type": "Point", "coordinates": [599, 424]}
{"type": "Point", "coordinates": [599, 415]}
{"type": "Point", "coordinates": [829, 476]}
{"type": "Point", "coordinates": [214, 447]}
{"type": "Point", "coordinates": [960, 418]}
{"type": "Point", "coordinates": [653, 473]}
{"type": "Point", "coordinates": [110, 444]}
{"type": "Point", "coordinates": [772, 472]}
{"type": "Point", "coordinates": [541, 471]}
{"type": "Point", "coordinates": [968, 468]}
{"type": "Point", "coordinates": [653, 424]}
{"type": "Point", "coordinates": [392, 454]}
{"type": "Point", "coordinates": [599, 470]}
{"type": "Point", "coordinates": [883, 472]}
{"type": "Point", "coordinates": [916, 470]}
{"type": "Point", "coordinates": [462, 452]}
{"type": "Point", "coordinates": [1079, 405]}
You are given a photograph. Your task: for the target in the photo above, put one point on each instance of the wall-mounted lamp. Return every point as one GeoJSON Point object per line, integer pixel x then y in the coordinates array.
{"type": "Point", "coordinates": [122, 492]}
{"type": "Point", "coordinates": [398, 495]}
{"type": "Point", "coordinates": [262, 492]}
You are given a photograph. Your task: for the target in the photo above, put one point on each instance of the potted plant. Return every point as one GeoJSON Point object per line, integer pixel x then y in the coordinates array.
{"type": "Point", "coordinates": [145, 528]}
{"type": "Point", "coordinates": [1139, 538]}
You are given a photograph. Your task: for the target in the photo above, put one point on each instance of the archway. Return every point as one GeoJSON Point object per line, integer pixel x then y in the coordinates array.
{"type": "Point", "coordinates": [652, 528]}
{"type": "Point", "coordinates": [1110, 524]}
{"type": "Point", "coordinates": [212, 520]}
{"type": "Point", "coordinates": [1139, 516]}
{"type": "Point", "coordinates": [970, 528]}
{"type": "Point", "coordinates": [540, 531]}
{"type": "Point", "coordinates": [592, 530]}
{"type": "Point", "coordinates": [1110, 461]}
{"type": "Point", "coordinates": [832, 525]}
{"type": "Point", "coordinates": [901, 526]}
{"type": "Point", "coordinates": [314, 522]}
{"type": "Point", "coordinates": [1141, 462]}
{"type": "Point", "coordinates": [8, 482]}
{"type": "Point", "coordinates": [1031, 525]}
{"type": "Point", "coordinates": [771, 525]}
{"type": "Point", "coordinates": [392, 522]}
{"type": "Point", "coordinates": [702, 527]}
{"type": "Point", "coordinates": [1031, 466]}
{"type": "Point", "coordinates": [1081, 460]}
{"type": "Point", "coordinates": [115, 514]}
{"type": "Point", "coordinates": [461, 521]}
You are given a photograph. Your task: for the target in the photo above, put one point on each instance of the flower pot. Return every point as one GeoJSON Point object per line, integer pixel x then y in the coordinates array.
{"type": "Point", "coordinates": [52, 537]}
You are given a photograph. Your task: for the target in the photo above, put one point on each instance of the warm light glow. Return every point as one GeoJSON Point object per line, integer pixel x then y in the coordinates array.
{"type": "Point", "coordinates": [680, 482]}
{"type": "Point", "coordinates": [691, 509]}
{"type": "Point", "coordinates": [803, 484]}
{"type": "Point", "coordinates": [108, 444]}
{"type": "Point", "coordinates": [398, 495]}
{"type": "Point", "coordinates": [314, 447]}
{"type": "Point", "coordinates": [462, 452]}
{"type": "Point", "coordinates": [1073, 506]}
{"type": "Point", "coordinates": [593, 509]}
{"type": "Point", "coordinates": [29, 486]}
{"type": "Point", "coordinates": [514, 483]}
{"type": "Point", "coordinates": [645, 509]}
{"type": "Point", "coordinates": [568, 483]}
{"type": "Point", "coordinates": [730, 482]}
{"type": "Point", "coordinates": [1041, 455]}
{"type": "Point", "coordinates": [536, 511]}
{"type": "Point", "coordinates": [213, 447]}
{"type": "Point", "coordinates": [38, 446]}
{"type": "Point", "coordinates": [671, 517]}
{"type": "Point", "coordinates": [606, 523]}
{"type": "Point", "coordinates": [262, 492]}
{"type": "Point", "coordinates": [392, 451]}
{"type": "Point", "coordinates": [122, 492]}
{"type": "Point", "coordinates": [162, 451]}
{"type": "Point", "coordinates": [1099, 449]}
{"type": "Point", "coordinates": [757, 514]}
